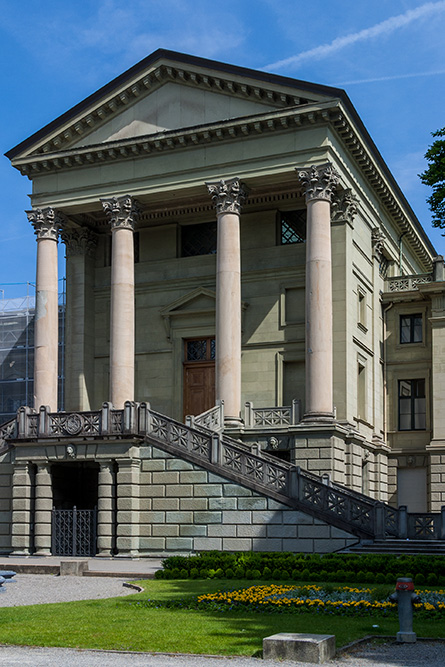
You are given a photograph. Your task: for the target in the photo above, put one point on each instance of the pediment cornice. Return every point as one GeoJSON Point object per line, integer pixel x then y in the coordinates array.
{"type": "Point", "coordinates": [113, 104]}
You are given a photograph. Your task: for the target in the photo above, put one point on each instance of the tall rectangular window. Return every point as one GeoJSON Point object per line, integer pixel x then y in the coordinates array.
{"type": "Point", "coordinates": [411, 328]}
{"type": "Point", "coordinates": [412, 405]}
{"type": "Point", "coordinates": [198, 239]}
{"type": "Point", "coordinates": [361, 391]}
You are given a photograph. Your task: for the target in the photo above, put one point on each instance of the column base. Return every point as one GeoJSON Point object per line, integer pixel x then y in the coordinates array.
{"type": "Point", "coordinates": [42, 552]}
{"type": "Point", "coordinates": [105, 553]}
{"type": "Point", "coordinates": [20, 552]}
{"type": "Point", "coordinates": [318, 418]}
{"type": "Point", "coordinates": [233, 421]}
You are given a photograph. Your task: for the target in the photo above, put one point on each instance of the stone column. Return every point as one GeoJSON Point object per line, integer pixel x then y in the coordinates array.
{"type": "Point", "coordinates": [122, 212]}
{"type": "Point", "coordinates": [22, 479]}
{"type": "Point", "coordinates": [43, 507]}
{"type": "Point", "coordinates": [105, 509]}
{"type": "Point", "coordinates": [228, 196]}
{"type": "Point", "coordinates": [46, 332]}
{"type": "Point", "coordinates": [128, 478]}
{"type": "Point", "coordinates": [319, 184]}
{"type": "Point", "coordinates": [79, 369]}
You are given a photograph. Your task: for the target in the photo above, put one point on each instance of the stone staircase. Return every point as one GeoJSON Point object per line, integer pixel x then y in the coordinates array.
{"type": "Point", "coordinates": [375, 523]}
{"type": "Point", "coordinates": [398, 547]}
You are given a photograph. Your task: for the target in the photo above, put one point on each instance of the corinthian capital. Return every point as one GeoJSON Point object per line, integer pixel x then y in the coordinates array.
{"type": "Point", "coordinates": [46, 222]}
{"type": "Point", "coordinates": [121, 211]}
{"type": "Point", "coordinates": [228, 196]}
{"type": "Point", "coordinates": [319, 182]}
{"type": "Point", "coordinates": [344, 207]}
{"type": "Point", "coordinates": [79, 241]}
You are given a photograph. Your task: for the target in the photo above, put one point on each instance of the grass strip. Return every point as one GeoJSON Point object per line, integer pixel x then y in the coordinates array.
{"type": "Point", "coordinates": [117, 624]}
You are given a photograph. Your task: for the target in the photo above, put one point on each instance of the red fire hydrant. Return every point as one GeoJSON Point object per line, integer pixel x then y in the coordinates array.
{"type": "Point", "coordinates": [405, 598]}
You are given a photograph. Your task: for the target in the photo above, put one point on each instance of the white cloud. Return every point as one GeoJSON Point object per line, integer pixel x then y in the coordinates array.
{"type": "Point", "coordinates": [383, 28]}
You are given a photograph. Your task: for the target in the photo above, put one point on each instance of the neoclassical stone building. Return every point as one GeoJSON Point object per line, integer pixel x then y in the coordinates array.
{"type": "Point", "coordinates": [237, 252]}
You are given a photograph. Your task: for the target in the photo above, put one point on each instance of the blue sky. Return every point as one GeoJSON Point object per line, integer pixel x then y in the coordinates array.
{"type": "Point", "coordinates": [387, 54]}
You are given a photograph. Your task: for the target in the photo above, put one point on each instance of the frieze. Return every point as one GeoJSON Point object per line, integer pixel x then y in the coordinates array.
{"type": "Point", "coordinates": [228, 196]}
{"type": "Point", "coordinates": [122, 212]}
{"type": "Point", "coordinates": [319, 182]}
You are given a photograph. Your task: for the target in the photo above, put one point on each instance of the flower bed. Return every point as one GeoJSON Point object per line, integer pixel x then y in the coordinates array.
{"type": "Point", "coordinates": [288, 598]}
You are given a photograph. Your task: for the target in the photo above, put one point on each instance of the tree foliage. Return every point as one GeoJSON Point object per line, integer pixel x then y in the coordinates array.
{"type": "Point", "coordinates": [434, 176]}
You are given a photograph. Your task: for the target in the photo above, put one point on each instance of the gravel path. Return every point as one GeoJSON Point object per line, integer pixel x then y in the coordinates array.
{"type": "Point", "coordinates": [429, 654]}
{"type": "Point", "coordinates": [28, 589]}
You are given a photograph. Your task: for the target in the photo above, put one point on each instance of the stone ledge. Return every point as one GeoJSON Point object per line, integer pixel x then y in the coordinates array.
{"type": "Point", "coordinates": [300, 647]}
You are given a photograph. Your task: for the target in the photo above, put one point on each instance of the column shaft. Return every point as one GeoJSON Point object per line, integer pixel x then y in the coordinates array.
{"type": "Point", "coordinates": [46, 332]}
{"type": "Point", "coordinates": [320, 183]}
{"type": "Point", "coordinates": [122, 212]}
{"type": "Point", "coordinates": [228, 197]}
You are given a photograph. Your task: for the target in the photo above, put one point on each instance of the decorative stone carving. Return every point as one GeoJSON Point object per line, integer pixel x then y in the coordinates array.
{"type": "Point", "coordinates": [46, 222]}
{"type": "Point", "coordinates": [228, 196]}
{"type": "Point", "coordinates": [319, 182]}
{"type": "Point", "coordinates": [378, 243]}
{"type": "Point", "coordinates": [71, 452]}
{"type": "Point", "coordinates": [79, 241]}
{"type": "Point", "coordinates": [344, 207]}
{"type": "Point", "coordinates": [122, 212]}
{"type": "Point", "coordinates": [73, 424]}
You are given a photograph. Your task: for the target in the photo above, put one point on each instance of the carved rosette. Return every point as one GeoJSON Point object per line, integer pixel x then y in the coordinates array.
{"type": "Point", "coordinates": [344, 207]}
{"type": "Point", "coordinates": [122, 212]}
{"type": "Point", "coordinates": [228, 196]}
{"type": "Point", "coordinates": [319, 182]}
{"type": "Point", "coordinates": [79, 241]}
{"type": "Point", "coordinates": [378, 243]}
{"type": "Point", "coordinates": [46, 223]}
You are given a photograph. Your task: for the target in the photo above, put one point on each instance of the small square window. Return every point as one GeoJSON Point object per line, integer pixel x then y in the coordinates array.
{"type": "Point", "coordinates": [411, 328]}
{"type": "Point", "coordinates": [198, 239]}
{"type": "Point", "coordinates": [291, 227]}
{"type": "Point", "coordinates": [412, 405]}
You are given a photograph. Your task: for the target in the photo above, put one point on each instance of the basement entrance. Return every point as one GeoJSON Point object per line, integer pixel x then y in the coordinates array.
{"type": "Point", "coordinates": [74, 515]}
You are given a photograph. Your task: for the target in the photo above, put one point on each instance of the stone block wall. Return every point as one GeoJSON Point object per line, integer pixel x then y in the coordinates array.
{"type": "Point", "coordinates": [5, 502]}
{"type": "Point", "coordinates": [185, 508]}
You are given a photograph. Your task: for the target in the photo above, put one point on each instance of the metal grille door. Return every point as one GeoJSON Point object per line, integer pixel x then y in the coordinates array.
{"type": "Point", "coordinates": [74, 532]}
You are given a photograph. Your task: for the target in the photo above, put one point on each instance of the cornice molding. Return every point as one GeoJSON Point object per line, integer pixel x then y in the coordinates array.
{"type": "Point", "coordinates": [150, 81]}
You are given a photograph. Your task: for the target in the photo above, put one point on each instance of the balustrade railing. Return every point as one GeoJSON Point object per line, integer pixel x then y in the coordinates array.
{"type": "Point", "coordinates": [212, 419]}
{"type": "Point", "coordinates": [245, 465]}
{"type": "Point", "coordinates": [287, 415]}
{"type": "Point", "coordinates": [407, 283]}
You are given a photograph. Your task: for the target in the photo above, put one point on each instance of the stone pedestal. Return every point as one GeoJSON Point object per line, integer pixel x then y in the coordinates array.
{"type": "Point", "coordinates": [228, 197]}
{"type": "Point", "coordinates": [319, 184]}
{"type": "Point", "coordinates": [122, 212]}
{"type": "Point", "coordinates": [43, 507]}
{"type": "Point", "coordinates": [105, 510]}
{"type": "Point", "coordinates": [300, 647]}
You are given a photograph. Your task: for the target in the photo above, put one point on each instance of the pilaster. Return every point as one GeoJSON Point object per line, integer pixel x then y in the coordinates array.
{"type": "Point", "coordinates": [128, 501]}
{"type": "Point", "coordinates": [106, 509]}
{"type": "Point", "coordinates": [22, 481]}
{"type": "Point", "coordinates": [43, 507]}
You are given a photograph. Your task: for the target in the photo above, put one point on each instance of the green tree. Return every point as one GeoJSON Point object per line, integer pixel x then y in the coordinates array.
{"type": "Point", "coordinates": [434, 176]}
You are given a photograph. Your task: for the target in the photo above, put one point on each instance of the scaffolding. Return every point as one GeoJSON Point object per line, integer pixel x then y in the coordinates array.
{"type": "Point", "coordinates": [17, 354]}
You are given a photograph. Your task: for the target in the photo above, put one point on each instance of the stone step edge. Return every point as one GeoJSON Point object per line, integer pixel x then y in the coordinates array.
{"type": "Point", "coordinates": [41, 568]}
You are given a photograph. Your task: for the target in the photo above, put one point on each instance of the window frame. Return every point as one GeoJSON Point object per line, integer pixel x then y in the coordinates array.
{"type": "Point", "coordinates": [412, 327]}
{"type": "Point", "coordinates": [281, 215]}
{"type": "Point", "coordinates": [413, 412]}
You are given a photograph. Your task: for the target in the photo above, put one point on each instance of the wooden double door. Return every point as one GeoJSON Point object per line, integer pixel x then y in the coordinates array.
{"type": "Point", "coordinates": [199, 375]}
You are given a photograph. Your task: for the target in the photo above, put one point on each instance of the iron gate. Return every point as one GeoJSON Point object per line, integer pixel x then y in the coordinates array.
{"type": "Point", "coordinates": [74, 532]}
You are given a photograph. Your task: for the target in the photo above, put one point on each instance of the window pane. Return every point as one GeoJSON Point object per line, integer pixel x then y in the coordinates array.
{"type": "Point", "coordinates": [417, 330]}
{"type": "Point", "coordinates": [405, 330]}
{"type": "Point", "coordinates": [405, 388]}
{"type": "Point", "coordinates": [196, 350]}
{"type": "Point", "coordinates": [292, 227]}
{"type": "Point", "coordinates": [419, 413]}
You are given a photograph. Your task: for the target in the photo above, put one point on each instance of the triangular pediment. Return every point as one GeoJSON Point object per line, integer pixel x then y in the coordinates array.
{"type": "Point", "coordinates": [169, 91]}
{"type": "Point", "coordinates": [199, 300]}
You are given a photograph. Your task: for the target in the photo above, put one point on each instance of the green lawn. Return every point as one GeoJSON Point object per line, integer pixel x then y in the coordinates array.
{"type": "Point", "coordinates": [117, 624]}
